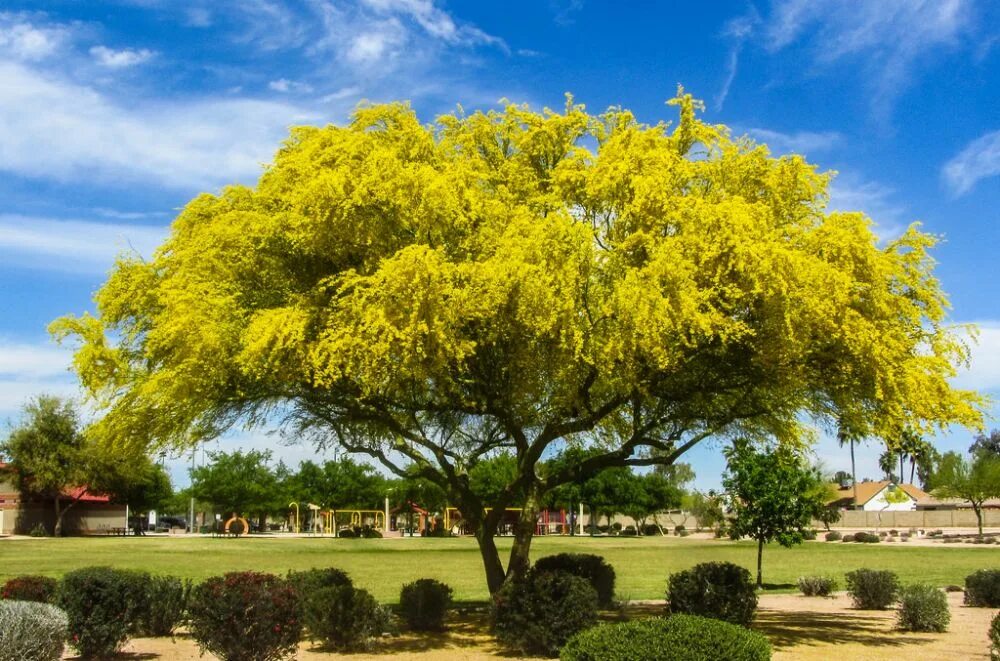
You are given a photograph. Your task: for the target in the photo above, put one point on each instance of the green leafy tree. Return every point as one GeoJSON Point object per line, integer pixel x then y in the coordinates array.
{"type": "Point", "coordinates": [237, 483]}
{"type": "Point", "coordinates": [516, 281]}
{"type": "Point", "coordinates": [341, 484]}
{"type": "Point", "coordinates": [138, 482]}
{"type": "Point", "coordinates": [773, 496]}
{"type": "Point", "coordinates": [707, 509]}
{"type": "Point", "coordinates": [976, 480]}
{"type": "Point", "coordinates": [49, 457]}
{"type": "Point", "coordinates": [989, 444]}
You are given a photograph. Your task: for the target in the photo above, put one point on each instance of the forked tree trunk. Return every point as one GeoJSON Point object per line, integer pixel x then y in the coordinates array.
{"type": "Point", "coordinates": [495, 574]}
{"type": "Point", "coordinates": [760, 557]}
{"type": "Point", "coordinates": [524, 531]}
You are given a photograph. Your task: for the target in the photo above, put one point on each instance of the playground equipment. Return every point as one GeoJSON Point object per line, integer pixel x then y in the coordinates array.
{"type": "Point", "coordinates": [296, 506]}
{"type": "Point", "coordinates": [236, 519]}
{"type": "Point", "coordinates": [546, 523]}
{"type": "Point", "coordinates": [357, 519]}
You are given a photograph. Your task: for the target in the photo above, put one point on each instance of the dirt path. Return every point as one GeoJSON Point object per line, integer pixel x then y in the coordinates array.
{"type": "Point", "coordinates": [798, 627]}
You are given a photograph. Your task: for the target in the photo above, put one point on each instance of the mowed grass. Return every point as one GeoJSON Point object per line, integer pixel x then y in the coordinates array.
{"type": "Point", "coordinates": [384, 565]}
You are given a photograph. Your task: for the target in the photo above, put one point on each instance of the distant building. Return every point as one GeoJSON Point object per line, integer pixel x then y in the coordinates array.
{"type": "Point", "coordinates": [871, 497]}
{"type": "Point", "coordinates": [92, 514]}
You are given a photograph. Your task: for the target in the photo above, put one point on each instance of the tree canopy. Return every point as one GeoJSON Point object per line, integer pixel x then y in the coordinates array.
{"type": "Point", "coordinates": [975, 480]}
{"type": "Point", "coordinates": [517, 281]}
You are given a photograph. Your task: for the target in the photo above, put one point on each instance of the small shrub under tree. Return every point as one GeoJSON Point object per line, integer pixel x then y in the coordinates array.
{"type": "Point", "coordinates": [103, 606]}
{"type": "Point", "coordinates": [246, 616]}
{"type": "Point", "coordinates": [31, 631]}
{"type": "Point", "coordinates": [593, 568]}
{"type": "Point", "coordinates": [424, 604]}
{"type": "Point", "coordinates": [923, 608]}
{"type": "Point", "coordinates": [343, 617]}
{"type": "Point", "coordinates": [540, 612]}
{"type": "Point", "coordinates": [309, 580]}
{"type": "Point", "coordinates": [30, 588]}
{"type": "Point", "coordinates": [817, 586]}
{"type": "Point", "coordinates": [872, 589]}
{"type": "Point", "coordinates": [679, 638]}
{"type": "Point", "coordinates": [982, 588]}
{"type": "Point", "coordinates": [166, 605]}
{"type": "Point", "coordinates": [719, 590]}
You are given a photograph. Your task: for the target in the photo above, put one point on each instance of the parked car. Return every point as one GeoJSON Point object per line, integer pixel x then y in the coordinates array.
{"type": "Point", "coordinates": [168, 522]}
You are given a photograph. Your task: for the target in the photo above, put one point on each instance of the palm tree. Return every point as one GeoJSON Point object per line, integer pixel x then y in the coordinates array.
{"type": "Point", "coordinates": [843, 436]}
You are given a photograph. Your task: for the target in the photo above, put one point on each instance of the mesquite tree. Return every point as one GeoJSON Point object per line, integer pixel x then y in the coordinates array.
{"type": "Point", "coordinates": [515, 282]}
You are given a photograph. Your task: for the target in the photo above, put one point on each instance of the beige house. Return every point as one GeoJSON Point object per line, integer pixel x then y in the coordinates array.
{"type": "Point", "coordinates": [92, 514]}
{"type": "Point", "coordinates": [873, 497]}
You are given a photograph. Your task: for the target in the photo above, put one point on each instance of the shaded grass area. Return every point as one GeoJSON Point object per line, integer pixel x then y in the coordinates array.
{"type": "Point", "coordinates": [384, 565]}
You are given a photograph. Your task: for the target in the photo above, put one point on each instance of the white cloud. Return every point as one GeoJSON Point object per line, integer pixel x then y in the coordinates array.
{"type": "Point", "coordinates": [285, 86]}
{"type": "Point", "coordinates": [71, 245]}
{"type": "Point", "coordinates": [342, 93]}
{"type": "Point", "coordinates": [979, 160]}
{"type": "Point", "coordinates": [799, 142]}
{"type": "Point", "coordinates": [983, 373]}
{"type": "Point", "coordinates": [198, 17]}
{"type": "Point", "coordinates": [435, 21]}
{"type": "Point", "coordinates": [28, 370]}
{"type": "Point", "coordinates": [383, 41]}
{"type": "Point", "coordinates": [21, 40]}
{"type": "Point", "coordinates": [55, 129]}
{"type": "Point", "coordinates": [737, 30]}
{"type": "Point", "coordinates": [848, 193]}
{"type": "Point", "coordinates": [119, 59]}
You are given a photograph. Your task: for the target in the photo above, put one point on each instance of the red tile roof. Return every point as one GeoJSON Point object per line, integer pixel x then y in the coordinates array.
{"type": "Point", "coordinates": [76, 493]}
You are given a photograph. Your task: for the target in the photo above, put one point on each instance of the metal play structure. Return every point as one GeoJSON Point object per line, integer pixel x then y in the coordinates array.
{"type": "Point", "coordinates": [547, 522]}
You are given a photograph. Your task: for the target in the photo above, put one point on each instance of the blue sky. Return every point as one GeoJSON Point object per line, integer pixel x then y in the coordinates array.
{"type": "Point", "coordinates": [114, 114]}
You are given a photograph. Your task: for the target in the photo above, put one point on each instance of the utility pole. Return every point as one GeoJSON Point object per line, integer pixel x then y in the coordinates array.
{"type": "Point", "coordinates": [191, 511]}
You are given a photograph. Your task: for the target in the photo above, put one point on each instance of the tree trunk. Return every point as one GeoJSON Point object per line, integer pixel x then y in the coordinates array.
{"type": "Point", "coordinates": [524, 531]}
{"type": "Point", "coordinates": [760, 557]}
{"type": "Point", "coordinates": [913, 467]}
{"type": "Point", "coordinates": [57, 528]}
{"type": "Point", "coordinates": [854, 476]}
{"type": "Point", "coordinates": [901, 467]}
{"type": "Point", "coordinates": [495, 574]}
{"type": "Point", "coordinates": [978, 509]}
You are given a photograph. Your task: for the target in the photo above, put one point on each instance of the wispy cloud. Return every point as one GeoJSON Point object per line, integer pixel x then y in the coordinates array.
{"type": "Point", "coordinates": [737, 31]}
{"type": "Point", "coordinates": [798, 142]}
{"type": "Point", "coordinates": [979, 160]}
{"type": "Point", "coordinates": [875, 200]}
{"type": "Point", "coordinates": [119, 59]}
{"type": "Point", "coordinates": [22, 39]}
{"type": "Point", "coordinates": [31, 369]}
{"type": "Point", "coordinates": [72, 245]}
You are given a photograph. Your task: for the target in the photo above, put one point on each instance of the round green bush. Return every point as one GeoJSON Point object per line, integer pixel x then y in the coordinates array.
{"type": "Point", "coordinates": [424, 604]}
{"type": "Point", "coordinates": [833, 536]}
{"type": "Point", "coordinates": [103, 606]}
{"type": "Point", "coordinates": [540, 612]}
{"type": "Point", "coordinates": [817, 586]}
{"type": "Point", "coordinates": [588, 566]}
{"type": "Point", "coordinates": [30, 588]}
{"type": "Point", "coordinates": [982, 589]}
{"type": "Point", "coordinates": [310, 580]}
{"type": "Point", "coordinates": [923, 608]}
{"type": "Point", "coordinates": [719, 590]}
{"type": "Point", "coordinates": [995, 638]}
{"type": "Point", "coordinates": [346, 533]}
{"type": "Point", "coordinates": [166, 599]}
{"type": "Point", "coordinates": [246, 616]}
{"type": "Point", "coordinates": [847, 538]}
{"type": "Point", "coordinates": [679, 638]}
{"type": "Point", "coordinates": [872, 589]}
{"type": "Point", "coordinates": [31, 631]}
{"type": "Point", "coordinates": [343, 617]}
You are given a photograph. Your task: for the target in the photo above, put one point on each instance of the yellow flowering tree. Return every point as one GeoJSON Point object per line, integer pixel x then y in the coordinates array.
{"type": "Point", "coordinates": [520, 283]}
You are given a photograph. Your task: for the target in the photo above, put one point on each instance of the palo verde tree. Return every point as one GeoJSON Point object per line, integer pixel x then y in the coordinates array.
{"type": "Point", "coordinates": [773, 495]}
{"type": "Point", "coordinates": [517, 282]}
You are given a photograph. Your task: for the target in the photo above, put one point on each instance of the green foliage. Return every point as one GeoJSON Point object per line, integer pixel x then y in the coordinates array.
{"type": "Point", "coordinates": [308, 581]}
{"type": "Point", "coordinates": [341, 484]}
{"type": "Point", "coordinates": [39, 531]}
{"type": "Point", "coordinates": [31, 631]}
{"type": "Point", "coordinates": [424, 604]}
{"type": "Point", "coordinates": [817, 586]}
{"type": "Point", "coordinates": [238, 482]}
{"type": "Point", "coordinates": [719, 590]}
{"type": "Point", "coordinates": [104, 606]}
{"type": "Point", "coordinates": [923, 607]}
{"type": "Point", "coordinates": [976, 480]}
{"type": "Point", "coordinates": [872, 589]}
{"type": "Point", "coordinates": [679, 638]}
{"type": "Point", "coordinates": [995, 638]}
{"type": "Point", "coordinates": [707, 509]}
{"type": "Point", "coordinates": [865, 538]}
{"type": "Point", "coordinates": [982, 589]}
{"type": "Point", "coordinates": [538, 613]}
{"type": "Point", "coordinates": [246, 616]}
{"type": "Point", "coordinates": [30, 588]}
{"type": "Point", "coordinates": [166, 599]}
{"type": "Point", "coordinates": [343, 617]}
{"type": "Point", "coordinates": [593, 568]}
{"type": "Point", "coordinates": [833, 536]}
{"type": "Point", "coordinates": [774, 495]}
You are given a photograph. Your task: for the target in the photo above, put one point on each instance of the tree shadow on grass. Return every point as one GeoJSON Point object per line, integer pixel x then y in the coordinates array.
{"type": "Point", "coordinates": [788, 628]}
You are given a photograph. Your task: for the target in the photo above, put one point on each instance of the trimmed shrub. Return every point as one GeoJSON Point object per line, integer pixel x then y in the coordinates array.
{"type": "Point", "coordinates": [817, 586]}
{"type": "Point", "coordinates": [872, 589]}
{"type": "Point", "coordinates": [982, 588]}
{"type": "Point", "coordinates": [343, 617]}
{"type": "Point", "coordinates": [368, 533]}
{"type": "Point", "coordinates": [652, 530]}
{"type": "Point", "coordinates": [833, 536]}
{"type": "Point", "coordinates": [682, 637]}
{"type": "Point", "coordinates": [679, 529]}
{"type": "Point", "coordinates": [995, 638]}
{"type": "Point", "coordinates": [809, 535]}
{"type": "Point", "coordinates": [719, 590]}
{"type": "Point", "coordinates": [848, 538]}
{"type": "Point", "coordinates": [246, 616]}
{"type": "Point", "coordinates": [346, 532]}
{"type": "Point", "coordinates": [923, 608]}
{"type": "Point", "coordinates": [593, 568]}
{"type": "Point", "coordinates": [39, 531]}
{"type": "Point", "coordinates": [30, 588]}
{"type": "Point", "coordinates": [310, 580]}
{"type": "Point", "coordinates": [166, 600]}
{"type": "Point", "coordinates": [103, 606]}
{"type": "Point", "coordinates": [866, 538]}
{"type": "Point", "coordinates": [540, 612]}
{"type": "Point", "coordinates": [31, 631]}
{"type": "Point", "coordinates": [424, 604]}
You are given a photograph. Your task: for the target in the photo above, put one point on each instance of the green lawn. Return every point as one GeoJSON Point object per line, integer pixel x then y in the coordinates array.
{"type": "Point", "coordinates": [384, 565]}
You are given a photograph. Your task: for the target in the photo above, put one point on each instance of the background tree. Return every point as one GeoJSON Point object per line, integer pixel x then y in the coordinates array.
{"type": "Point", "coordinates": [989, 444]}
{"type": "Point", "coordinates": [976, 480]}
{"type": "Point", "coordinates": [516, 281]}
{"type": "Point", "coordinates": [773, 496]}
{"type": "Point", "coordinates": [707, 509]}
{"type": "Point", "coordinates": [341, 484]}
{"type": "Point", "coordinates": [138, 482]}
{"type": "Point", "coordinates": [48, 456]}
{"type": "Point", "coordinates": [237, 482]}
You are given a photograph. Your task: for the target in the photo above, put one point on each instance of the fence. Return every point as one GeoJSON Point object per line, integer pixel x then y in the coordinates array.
{"type": "Point", "coordinates": [926, 519]}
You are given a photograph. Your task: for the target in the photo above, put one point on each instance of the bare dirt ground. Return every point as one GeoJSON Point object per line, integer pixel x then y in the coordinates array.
{"type": "Point", "coordinates": [798, 627]}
